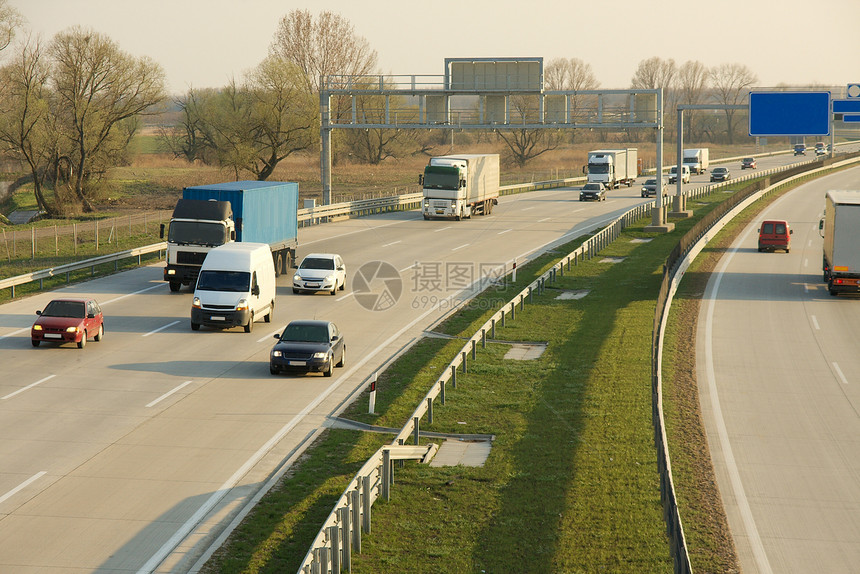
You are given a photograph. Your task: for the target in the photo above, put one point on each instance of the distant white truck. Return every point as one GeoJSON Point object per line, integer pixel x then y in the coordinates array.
{"type": "Point", "coordinates": [841, 231]}
{"type": "Point", "coordinates": [697, 159]}
{"type": "Point", "coordinates": [459, 186]}
{"type": "Point", "coordinates": [613, 167]}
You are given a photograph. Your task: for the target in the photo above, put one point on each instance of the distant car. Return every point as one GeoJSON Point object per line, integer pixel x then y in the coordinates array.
{"type": "Point", "coordinates": [685, 174]}
{"type": "Point", "coordinates": [650, 187]}
{"type": "Point", "coordinates": [748, 163]}
{"type": "Point", "coordinates": [593, 191]}
{"type": "Point", "coordinates": [821, 148]}
{"type": "Point", "coordinates": [68, 321]}
{"type": "Point", "coordinates": [774, 234]}
{"type": "Point", "coordinates": [320, 272]}
{"type": "Point", "coordinates": [720, 174]}
{"type": "Point", "coordinates": [308, 346]}
{"type": "Point", "coordinates": [800, 149]}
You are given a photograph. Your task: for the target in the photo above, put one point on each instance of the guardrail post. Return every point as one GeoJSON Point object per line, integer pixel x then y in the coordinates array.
{"type": "Point", "coordinates": [429, 416]}
{"type": "Point", "coordinates": [513, 309]}
{"type": "Point", "coordinates": [347, 538]}
{"type": "Point", "coordinates": [463, 355]}
{"type": "Point", "coordinates": [366, 504]}
{"type": "Point", "coordinates": [504, 317]}
{"type": "Point", "coordinates": [322, 562]}
{"type": "Point", "coordinates": [483, 338]}
{"type": "Point", "coordinates": [453, 376]}
{"type": "Point", "coordinates": [493, 328]}
{"type": "Point", "coordinates": [523, 302]}
{"type": "Point", "coordinates": [356, 518]}
{"type": "Point", "coordinates": [474, 349]}
{"type": "Point", "coordinates": [530, 295]}
{"type": "Point", "coordinates": [442, 391]}
{"type": "Point", "coordinates": [334, 540]}
{"type": "Point", "coordinates": [386, 475]}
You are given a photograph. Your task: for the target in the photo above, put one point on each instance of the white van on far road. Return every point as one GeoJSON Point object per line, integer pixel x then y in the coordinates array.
{"type": "Point", "coordinates": [236, 287]}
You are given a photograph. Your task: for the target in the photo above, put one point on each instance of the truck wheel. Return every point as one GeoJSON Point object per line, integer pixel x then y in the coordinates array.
{"type": "Point", "coordinates": [195, 326]}
{"type": "Point", "coordinates": [426, 217]}
{"type": "Point", "coordinates": [279, 264]}
{"type": "Point", "coordinates": [175, 286]}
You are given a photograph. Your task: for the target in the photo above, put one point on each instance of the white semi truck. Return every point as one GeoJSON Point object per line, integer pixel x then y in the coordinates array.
{"type": "Point", "coordinates": [459, 186]}
{"type": "Point", "coordinates": [697, 159]}
{"type": "Point", "coordinates": [613, 167]}
{"type": "Point", "coordinates": [841, 227]}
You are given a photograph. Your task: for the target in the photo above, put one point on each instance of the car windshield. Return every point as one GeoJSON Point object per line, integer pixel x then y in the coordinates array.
{"type": "Point", "coordinates": [317, 263]}
{"type": "Point", "coordinates": [72, 309]}
{"type": "Point", "coordinates": [592, 186]}
{"type": "Point", "coordinates": [719, 170]}
{"type": "Point", "coordinates": [305, 333]}
{"type": "Point", "coordinates": [224, 281]}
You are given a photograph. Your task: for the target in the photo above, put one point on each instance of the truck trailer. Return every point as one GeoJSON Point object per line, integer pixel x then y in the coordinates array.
{"type": "Point", "coordinates": [244, 211]}
{"type": "Point", "coordinates": [458, 186]}
{"type": "Point", "coordinates": [613, 167]}
{"type": "Point", "coordinates": [697, 159]}
{"type": "Point", "coordinates": [841, 226]}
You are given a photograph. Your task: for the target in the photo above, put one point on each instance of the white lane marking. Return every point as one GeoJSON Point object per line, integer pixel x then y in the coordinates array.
{"type": "Point", "coordinates": [356, 231]}
{"type": "Point", "coordinates": [505, 231]}
{"type": "Point", "coordinates": [527, 208]}
{"type": "Point", "coordinates": [442, 229]}
{"type": "Point", "coordinates": [183, 531]}
{"type": "Point", "coordinates": [408, 268]}
{"type": "Point", "coordinates": [168, 393]}
{"type": "Point", "coordinates": [544, 219]}
{"type": "Point", "coordinates": [461, 247]}
{"type": "Point", "coordinates": [28, 387]}
{"type": "Point", "coordinates": [723, 433]}
{"type": "Point", "coordinates": [392, 243]}
{"type": "Point", "coordinates": [22, 486]}
{"type": "Point", "coordinates": [815, 323]}
{"type": "Point", "coordinates": [13, 333]}
{"type": "Point", "coordinates": [806, 262]}
{"type": "Point", "coordinates": [347, 296]}
{"type": "Point", "coordinates": [271, 335]}
{"type": "Point", "coordinates": [840, 373]}
{"type": "Point", "coordinates": [109, 301]}
{"type": "Point", "coordinates": [161, 328]}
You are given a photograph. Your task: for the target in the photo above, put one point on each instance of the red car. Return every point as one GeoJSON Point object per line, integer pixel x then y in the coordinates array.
{"type": "Point", "coordinates": [68, 321]}
{"type": "Point", "coordinates": [748, 162]}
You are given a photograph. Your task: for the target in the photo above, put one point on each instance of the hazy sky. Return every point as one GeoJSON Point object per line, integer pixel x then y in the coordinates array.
{"type": "Point", "coordinates": [203, 43]}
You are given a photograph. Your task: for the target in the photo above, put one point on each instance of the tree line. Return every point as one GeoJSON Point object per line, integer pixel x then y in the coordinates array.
{"type": "Point", "coordinates": [70, 107]}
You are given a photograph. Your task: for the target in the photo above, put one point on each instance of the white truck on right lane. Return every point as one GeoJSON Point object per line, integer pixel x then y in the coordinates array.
{"type": "Point", "coordinates": [613, 167]}
{"type": "Point", "coordinates": [841, 227]}
{"type": "Point", "coordinates": [697, 159]}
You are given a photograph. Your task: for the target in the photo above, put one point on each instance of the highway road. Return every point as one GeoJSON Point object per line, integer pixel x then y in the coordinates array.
{"type": "Point", "coordinates": [135, 453]}
{"type": "Point", "coordinates": [779, 380]}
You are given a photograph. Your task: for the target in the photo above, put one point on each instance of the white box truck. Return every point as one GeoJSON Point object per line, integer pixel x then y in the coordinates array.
{"type": "Point", "coordinates": [458, 186]}
{"type": "Point", "coordinates": [235, 287]}
{"type": "Point", "coordinates": [613, 167]}
{"type": "Point", "coordinates": [841, 227]}
{"type": "Point", "coordinates": [697, 159]}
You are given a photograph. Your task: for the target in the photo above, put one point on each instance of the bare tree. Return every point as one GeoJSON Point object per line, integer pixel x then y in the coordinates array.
{"type": "Point", "coordinates": [572, 74]}
{"type": "Point", "coordinates": [25, 117]}
{"type": "Point", "coordinates": [526, 143]}
{"type": "Point", "coordinates": [732, 83]}
{"type": "Point", "coordinates": [692, 84]}
{"type": "Point", "coordinates": [100, 92]}
{"type": "Point", "coordinates": [190, 138]}
{"type": "Point", "coordinates": [10, 21]}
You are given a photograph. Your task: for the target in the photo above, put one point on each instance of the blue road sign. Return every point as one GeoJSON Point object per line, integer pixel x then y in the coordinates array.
{"type": "Point", "coordinates": [846, 106]}
{"type": "Point", "coordinates": [790, 113]}
{"type": "Point", "coordinates": [851, 118]}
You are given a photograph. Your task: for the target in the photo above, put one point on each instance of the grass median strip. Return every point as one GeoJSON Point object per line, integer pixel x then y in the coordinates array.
{"type": "Point", "coordinates": [571, 482]}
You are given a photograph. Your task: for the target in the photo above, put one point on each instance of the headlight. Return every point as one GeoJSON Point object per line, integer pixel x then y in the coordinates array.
{"type": "Point", "coordinates": [171, 271]}
{"type": "Point", "coordinates": [195, 302]}
{"type": "Point", "coordinates": [330, 277]}
{"type": "Point", "coordinates": [37, 327]}
{"type": "Point", "coordinates": [323, 355]}
{"type": "Point", "coordinates": [453, 203]}
{"type": "Point", "coordinates": [277, 354]}
{"type": "Point", "coordinates": [426, 202]}
{"type": "Point", "coordinates": [297, 277]}
{"type": "Point", "coordinates": [242, 305]}
{"type": "Point", "coordinates": [71, 329]}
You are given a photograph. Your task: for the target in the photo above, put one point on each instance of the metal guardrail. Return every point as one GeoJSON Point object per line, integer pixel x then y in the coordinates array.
{"type": "Point", "coordinates": [67, 269]}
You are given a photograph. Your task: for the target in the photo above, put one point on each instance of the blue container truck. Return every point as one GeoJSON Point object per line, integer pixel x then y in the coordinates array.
{"type": "Point", "coordinates": [211, 215]}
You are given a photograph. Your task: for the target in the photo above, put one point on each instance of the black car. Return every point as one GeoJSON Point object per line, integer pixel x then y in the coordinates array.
{"type": "Point", "coordinates": [800, 149]}
{"type": "Point", "coordinates": [650, 188]}
{"type": "Point", "coordinates": [720, 174]}
{"type": "Point", "coordinates": [308, 346]}
{"type": "Point", "coordinates": [593, 191]}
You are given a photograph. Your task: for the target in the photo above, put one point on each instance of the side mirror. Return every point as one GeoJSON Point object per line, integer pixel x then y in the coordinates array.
{"type": "Point", "coordinates": [790, 231]}
{"type": "Point", "coordinates": [255, 290]}
{"type": "Point", "coordinates": [276, 336]}
{"type": "Point", "coordinates": [420, 179]}
{"type": "Point", "coordinates": [161, 232]}
{"type": "Point", "coordinates": [232, 235]}
{"type": "Point", "coordinates": [334, 338]}
{"type": "Point", "coordinates": [91, 316]}
{"type": "Point", "coordinates": [821, 224]}
{"type": "Point", "coordinates": [38, 312]}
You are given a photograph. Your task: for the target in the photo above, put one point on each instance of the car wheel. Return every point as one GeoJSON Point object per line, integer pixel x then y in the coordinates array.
{"type": "Point", "coordinates": [343, 285]}
{"type": "Point", "coordinates": [195, 326]}
{"type": "Point", "coordinates": [327, 372]}
{"type": "Point", "coordinates": [35, 342]}
{"type": "Point", "coordinates": [295, 290]}
{"type": "Point", "coordinates": [334, 289]}
{"type": "Point", "coordinates": [83, 342]}
{"type": "Point", "coordinates": [100, 334]}
{"type": "Point", "coordinates": [250, 326]}
{"type": "Point", "coordinates": [274, 369]}
{"type": "Point", "coordinates": [342, 357]}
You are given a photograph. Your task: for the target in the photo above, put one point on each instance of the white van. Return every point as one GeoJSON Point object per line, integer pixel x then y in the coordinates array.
{"type": "Point", "coordinates": [685, 174]}
{"type": "Point", "coordinates": [236, 286]}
